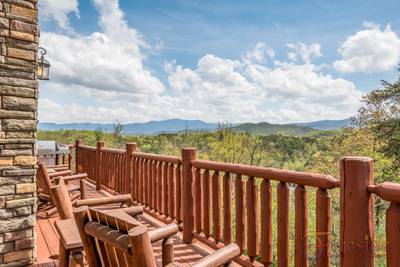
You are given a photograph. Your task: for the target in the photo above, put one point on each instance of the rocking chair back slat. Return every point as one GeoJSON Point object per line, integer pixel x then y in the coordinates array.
{"type": "Point", "coordinates": [43, 179]}
{"type": "Point", "coordinates": [111, 235]}
{"type": "Point", "coordinates": [121, 242]}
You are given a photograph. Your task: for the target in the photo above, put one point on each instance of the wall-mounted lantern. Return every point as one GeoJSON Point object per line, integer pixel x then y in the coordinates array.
{"type": "Point", "coordinates": [43, 67]}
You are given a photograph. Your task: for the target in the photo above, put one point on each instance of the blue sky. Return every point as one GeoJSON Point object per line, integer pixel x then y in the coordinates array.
{"type": "Point", "coordinates": [214, 60]}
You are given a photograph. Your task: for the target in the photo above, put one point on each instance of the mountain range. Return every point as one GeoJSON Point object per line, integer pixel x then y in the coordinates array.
{"type": "Point", "coordinates": [177, 125]}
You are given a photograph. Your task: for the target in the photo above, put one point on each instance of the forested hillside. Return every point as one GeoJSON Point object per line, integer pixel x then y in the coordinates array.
{"type": "Point", "coordinates": [376, 134]}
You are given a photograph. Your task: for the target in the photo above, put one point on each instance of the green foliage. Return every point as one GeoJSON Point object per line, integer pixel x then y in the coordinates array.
{"type": "Point", "coordinates": [265, 128]}
{"type": "Point", "coordinates": [380, 114]}
{"type": "Point", "coordinates": [315, 152]}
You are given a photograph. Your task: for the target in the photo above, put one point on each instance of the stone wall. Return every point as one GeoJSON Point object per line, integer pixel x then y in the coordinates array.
{"type": "Point", "coordinates": [18, 114]}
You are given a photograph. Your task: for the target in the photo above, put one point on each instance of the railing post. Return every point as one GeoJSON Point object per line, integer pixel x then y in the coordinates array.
{"type": "Point", "coordinates": [57, 160]}
{"type": "Point", "coordinates": [70, 157]}
{"type": "Point", "coordinates": [129, 149]}
{"type": "Point", "coordinates": [100, 145]}
{"type": "Point", "coordinates": [77, 144]}
{"type": "Point", "coordinates": [188, 155]}
{"type": "Point", "coordinates": [356, 212]}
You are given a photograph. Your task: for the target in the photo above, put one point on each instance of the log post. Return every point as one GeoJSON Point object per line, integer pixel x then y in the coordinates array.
{"type": "Point", "coordinates": [188, 155]}
{"type": "Point", "coordinates": [77, 144]}
{"type": "Point", "coordinates": [70, 157]}
{"type": "Point", "coordinates": [89, 244]}
{"type": "Point", "coordinates": [57, 160]}
{"type": "Point", "coordinates": [356, 212]}
{"type": "Point", "coordinates": [129, 166]}
{"type": "Point", "coordinates": [392, 235]}
{"type": "Point", "coordinates": [98, 174]}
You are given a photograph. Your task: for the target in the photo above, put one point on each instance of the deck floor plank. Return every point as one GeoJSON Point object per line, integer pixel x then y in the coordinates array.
{"type": "Point", "coordinates": [48, 239]}
{"type": "Point", "coordinates": [43, 252]}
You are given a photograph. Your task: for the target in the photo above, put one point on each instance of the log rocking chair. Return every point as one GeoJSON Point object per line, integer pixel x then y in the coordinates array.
{"type": "Point", "coordinates": [46, 178]}
{"type": "Point", "coordinates": [112, 241]}
{"type": "Point", "coordinates": [70, 249]}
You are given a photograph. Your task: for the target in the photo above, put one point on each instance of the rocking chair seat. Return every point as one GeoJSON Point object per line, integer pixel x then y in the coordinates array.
{"type": "Point", "coordinates": [73, 187]}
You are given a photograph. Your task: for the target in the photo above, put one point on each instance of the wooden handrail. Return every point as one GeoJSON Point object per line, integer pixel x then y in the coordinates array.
{"type": "Point", "coordinates": [87, 147]}
{"type": "Point", "coordinates": [112, 150]}
{"type": "Point", "coordinates": [286, 176]}
{"type": "Point", "coordinates": [156, 157]}
{"type": "Point", "coordinates": [387, 191]}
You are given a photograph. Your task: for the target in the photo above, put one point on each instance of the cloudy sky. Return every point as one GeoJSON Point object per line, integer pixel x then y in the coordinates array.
{"type": "Point", "coordinates": [235, 61]}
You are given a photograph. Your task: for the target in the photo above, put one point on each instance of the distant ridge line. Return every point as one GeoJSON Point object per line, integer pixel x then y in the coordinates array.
{"type": "Point", "coordinates": [178, 125]}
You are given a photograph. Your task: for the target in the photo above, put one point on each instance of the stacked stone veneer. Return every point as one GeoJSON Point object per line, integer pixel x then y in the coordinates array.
{"type": "Point", "coordinates": [18, 113]}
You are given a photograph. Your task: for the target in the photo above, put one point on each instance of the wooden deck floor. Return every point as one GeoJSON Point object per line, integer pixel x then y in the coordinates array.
{"type": "Point", "coordinates": [48, 240]}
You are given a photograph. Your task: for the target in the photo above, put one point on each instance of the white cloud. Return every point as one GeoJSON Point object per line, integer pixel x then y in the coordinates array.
{"type": "Point", "coordinates": [106, 75]}
{"type": "Point", "coordinates": [259, 52]}
{"type": "Point", "coordinates": [238, 91]}
{"type": "Point", "coordinates": [58, 10]}
{"type": "Point", "coordinates": [110, 60]}
{"type": "Point", "coordinates": [369, 50]}
{"type": "Point", "coordinates": [306, 52]}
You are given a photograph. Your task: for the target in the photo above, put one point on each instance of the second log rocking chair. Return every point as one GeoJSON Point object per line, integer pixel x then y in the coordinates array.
{"type": "Point", "coordinates": [45, 179]}
{"type": "Point", "coordinates": [110, 241]}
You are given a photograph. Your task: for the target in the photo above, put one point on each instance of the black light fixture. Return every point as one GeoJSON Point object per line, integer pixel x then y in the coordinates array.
{"type": "Point", "coordinates": [43, 67]}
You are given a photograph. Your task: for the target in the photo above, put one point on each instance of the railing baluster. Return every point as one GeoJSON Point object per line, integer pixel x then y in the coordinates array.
{"type": "Point", "coordinates": [165, 189]}
{"type": "Point", "coordinates": [283, 224]}
{"type": "Point", "coordinates": [392, 235]}
{"type": "Point", "coordinates": [240, 214]}
{"type": "Point", "coordinates": [141, 185]}
{"type": "Point", "coordinates": [251, 206]}
{"type": "Point", "coordinates": [178, 193]}
{"type": "Point", "coordinates": [148, 183]}
{"type": "Point", "coordinates": [207, 203]}
{"type": "Point", "coordinates": [323, 228]}
{"type": "Point", "coordinates": [151, 188]}
{"type": "Point", "coordinates": [227, 208]}
{"type": "Point", "coordinates": [154, 185]}
{"type": "Point", "coordinates": [301, 224]}
{"type": "Point", "coordinates": [171, 191]}
{"type": "Point", "coordinates": [216, 205]}
{"type": "Point", "coordinates": [112, 172]}
{"type": "Point", "coordinates": [160, 187]}
{"type": "Point", "coordinates": [118, 176]}
{"type": "Point", "coordinates": [266, 223]}
{"type": "Point", "coordinates": [197, 201]}
{"type": "Point", "coordinates": [136, 178]}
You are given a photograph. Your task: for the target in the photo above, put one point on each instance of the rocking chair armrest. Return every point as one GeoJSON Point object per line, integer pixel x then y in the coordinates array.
{"type": "Point", "coordinates": [219, 257]}
{"type": "Point", "coordinates": [41, 191]}
{"type": "Point", "coordinates": [133, 211]}
{"type": "Point", "coordinates": [104, 200]}
{"type": "Point", "coordinates": [74, 177]}
{"type": "Point", "coordinates": [60, 173]}
{"type": "Point", "coordinates": [75, 196]}
{"type": "Point", "coordinates": [57, 169]}
{"type": "Point", "coordinates": [163, 232]}
{"type": "Point", "coordinates": [56, 166]}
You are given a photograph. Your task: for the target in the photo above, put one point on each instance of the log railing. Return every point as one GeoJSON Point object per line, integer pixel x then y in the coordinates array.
{"type": "Point", "coordinates": [158, 185]}
{"type": "Point", "coordinates": [85, 160]}
{"type": "Point", "coordinates": [217, 185]}
{"type": "Point", "coordinates": [219, 203]}
{"type": "Point", "coordinates": [390, 192]}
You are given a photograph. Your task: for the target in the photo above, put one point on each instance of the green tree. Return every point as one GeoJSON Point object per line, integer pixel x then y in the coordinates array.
{"type": "Point", "coordinates": [380, 113]}
{"type": "Point", "coordinates": [118, 128]}
{"type": "Point", "coordinates": [98, 134]}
